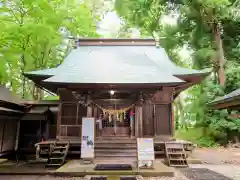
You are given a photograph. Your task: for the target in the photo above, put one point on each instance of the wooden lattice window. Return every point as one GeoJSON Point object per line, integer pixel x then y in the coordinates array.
{"type": "Point", "coordinates": [71, 119]}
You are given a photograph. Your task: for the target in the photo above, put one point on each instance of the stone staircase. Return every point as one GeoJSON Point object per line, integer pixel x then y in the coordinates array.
{"type": "Point", "coordinates": [115, 150]}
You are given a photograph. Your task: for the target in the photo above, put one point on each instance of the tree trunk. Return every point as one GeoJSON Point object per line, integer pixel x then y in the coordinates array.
{"type": "Point", "coordinates": [176, 117]}
{"type": "Point", "coordinates": [181, 112]}
{"type": "Point", "coordinates": [37, 93]}
{"type": "Point", "coordinates": [219, 55]}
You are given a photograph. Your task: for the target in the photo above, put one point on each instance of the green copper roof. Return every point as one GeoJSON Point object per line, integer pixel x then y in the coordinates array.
{"type": "Point", "coordinates": [116, 64]}
{"type": "Point", "coordinates": [45, 72]}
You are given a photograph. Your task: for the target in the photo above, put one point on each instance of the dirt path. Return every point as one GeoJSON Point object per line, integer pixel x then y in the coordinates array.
{"type": "Point", "coordinates": [218, 155]}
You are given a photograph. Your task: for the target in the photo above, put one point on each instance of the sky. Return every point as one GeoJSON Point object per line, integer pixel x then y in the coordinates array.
{"type": "Point", "coordinates": [111, 24]}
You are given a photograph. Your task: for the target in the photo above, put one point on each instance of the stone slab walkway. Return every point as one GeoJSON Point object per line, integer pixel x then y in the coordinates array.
{"type": "Point", "coordinates": [228, 170]}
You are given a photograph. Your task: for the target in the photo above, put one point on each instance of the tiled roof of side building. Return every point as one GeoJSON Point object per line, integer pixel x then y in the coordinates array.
{"type": "Point", "coordinates": [233, 95]}
{"type": "Point", "coordinates": [7, 96]}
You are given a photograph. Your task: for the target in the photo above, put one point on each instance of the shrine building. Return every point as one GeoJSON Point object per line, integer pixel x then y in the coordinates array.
{"type": "Point", "coordinates": [130, 84]}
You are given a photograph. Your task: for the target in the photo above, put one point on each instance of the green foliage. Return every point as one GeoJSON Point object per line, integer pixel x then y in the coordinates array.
{"type": "Point", "coordinates": [233, 79]}
{"type": "Point", "coordinates": [51, 98]}
{"type": "Point", "coordinates": [217, 123]}
{"type": "Point", "coordinates": [196, 28]}
{"type": "Point", "coordinates": [32, 37]}
{"type": "Point", "coordinates": [195, 135]}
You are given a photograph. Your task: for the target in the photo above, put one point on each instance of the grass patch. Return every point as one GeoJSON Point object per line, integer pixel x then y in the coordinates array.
{"type": "Point", "coordinates": [195, 135]}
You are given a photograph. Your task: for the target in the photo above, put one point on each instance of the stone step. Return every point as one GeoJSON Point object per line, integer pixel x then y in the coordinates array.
{"type": "Point", "coordinates": [115, 160]}
{"type": "Point", "coordinates": [112, 148]}
{"type": "Point", "coordinates": [115, 141]}
{"type": "Point", "coordinates": [115, 146]}
{"type": "Point", "coordinates": [115, 150]}
{"type": "Point", "coordinates": [115, 155]}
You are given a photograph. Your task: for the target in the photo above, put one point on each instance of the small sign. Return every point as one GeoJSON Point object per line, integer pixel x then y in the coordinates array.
{"type": "Point", "coordinates": [88, 134]}
{"type": "Point", "coordinates": [146, 154]}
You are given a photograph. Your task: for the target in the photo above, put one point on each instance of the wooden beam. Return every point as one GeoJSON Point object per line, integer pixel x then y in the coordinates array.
{"type": "Point", "coordinates": [164, 96]}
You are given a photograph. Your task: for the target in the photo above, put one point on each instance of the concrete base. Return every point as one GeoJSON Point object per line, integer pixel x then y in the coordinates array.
{"type": "Point", "coordinates": [194, 161]}
{"type": "Point", "coordinates": [77, 167]}
{"type": "Point", "coordinates": [113, 177]}
{"type": "Point", "coordinates": [3, 160]}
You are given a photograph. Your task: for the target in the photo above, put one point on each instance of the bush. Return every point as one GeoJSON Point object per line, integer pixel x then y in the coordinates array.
{"type": "Point", "coordinates": [195, 135]}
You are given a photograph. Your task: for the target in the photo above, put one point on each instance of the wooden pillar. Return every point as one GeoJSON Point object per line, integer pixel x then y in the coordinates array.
{"type": "Point", "coordinates": [17, 135]}
{"type": "Point", "coordinates": [140, 121]}
{"type": "Point", "coordinates": [89, 106]}
{"type": "Point", "coordinates": [47, 128]}
{"type": "Point", "coordinates": [95, 112]}
{"type": "Point", "coordinates": [61, 93]}
{"type": "Point", "coordinates": [139, 117]}
{"type": "Point", "coordinates": [173, 120]}
{"type": "Point", "coordinates": [136, 121]}
{"type": "Point", "coordinates": [132, 125]}
{"type": "Point", "coordinates": [154, 121]}
{"type": "Point", "coordinates": [59, 119]}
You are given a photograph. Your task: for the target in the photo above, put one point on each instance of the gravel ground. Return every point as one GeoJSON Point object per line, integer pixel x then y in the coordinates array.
{"type": "Point", "coordinates": [178, 176]}
{"type": "Point", "coordinates": [222, 160]}
{"type": "Point", "coordinates": [7, 177]}
{"type": "Point", "coordinates": [228, 170]}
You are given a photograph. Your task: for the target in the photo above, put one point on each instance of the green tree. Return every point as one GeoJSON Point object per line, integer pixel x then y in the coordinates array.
{"type": "Point", "coordinates": [208, 28]}
{"type": "Point", "coordinates": [34, 35]}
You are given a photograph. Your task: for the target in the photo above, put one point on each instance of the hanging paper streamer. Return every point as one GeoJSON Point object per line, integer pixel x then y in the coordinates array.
{"type": "Point", "coordinates": [110, 117]}
{"type": "Point", "coordinates": [121, 116]}
{"type": "Point", "coordinates": [113, 111]}
{"type": "Point", "coordinates": [118, 116]}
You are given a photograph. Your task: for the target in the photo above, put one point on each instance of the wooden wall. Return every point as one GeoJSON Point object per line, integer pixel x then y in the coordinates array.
{"type": "Point", "coordinates": [148, 119]}
{"type": "Point", "coordinates": [162, 118]}
{"type": "Point", "coordinates": [156, 115]}
{"type": "Point", "coordinates": [157, 119]}
{"type": "Point", "coordinates": [8, 129]}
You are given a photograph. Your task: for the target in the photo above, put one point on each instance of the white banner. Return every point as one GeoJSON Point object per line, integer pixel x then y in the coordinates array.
{"type": "Point", "coordinates": [145, 149]}
{"type": "Point", "coordinates": [88, 136]}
